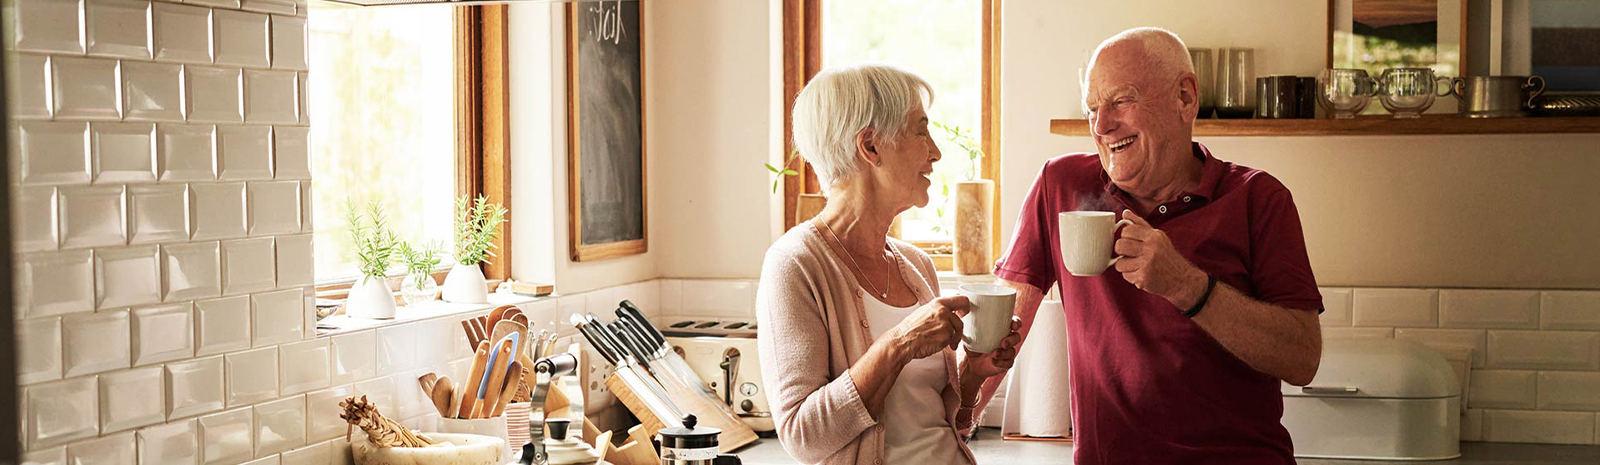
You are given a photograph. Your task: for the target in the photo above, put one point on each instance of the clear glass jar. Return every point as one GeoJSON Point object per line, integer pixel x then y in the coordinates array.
{"type": "Point", "coordinates": [417, 288]}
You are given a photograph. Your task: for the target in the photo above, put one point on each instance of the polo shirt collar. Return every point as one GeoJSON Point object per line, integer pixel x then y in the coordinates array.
{"type": "Point", "coordinates": [1211, 171]}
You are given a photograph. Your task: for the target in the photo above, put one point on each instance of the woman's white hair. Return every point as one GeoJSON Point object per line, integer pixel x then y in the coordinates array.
{"type": "Point", "coordinates": [840, 102]}
{"type": "Point", "coordinates": [1167, 54]}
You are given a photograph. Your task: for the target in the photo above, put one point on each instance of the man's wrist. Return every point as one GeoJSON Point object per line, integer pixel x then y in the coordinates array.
{"type": "Point", "coordinates": [1194, 287]}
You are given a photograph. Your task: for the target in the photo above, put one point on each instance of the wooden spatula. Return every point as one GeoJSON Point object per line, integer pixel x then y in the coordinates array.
{"type": "Point", "coordinates": [505, 328]}
{"type": "Point", "coordinates": [455, 400]}
{"type": "Point", "coordinates": [496, 379]}
{"type": "Point", "coordinates": [496, 314]}
{"type": "Point", "coordinates": [442, 394]}
{"type": "Point", "coordinates": [469, 396]}
{"type": "Point", "coordinates": [511, 313]}
{"type": "Point", "coordinates": [427, 381]}
{"type": "Point", "coordinates": [509, 389]}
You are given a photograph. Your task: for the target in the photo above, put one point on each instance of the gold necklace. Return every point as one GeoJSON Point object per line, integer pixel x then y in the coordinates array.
{"type": "Point", "coordinates": [857, 267]}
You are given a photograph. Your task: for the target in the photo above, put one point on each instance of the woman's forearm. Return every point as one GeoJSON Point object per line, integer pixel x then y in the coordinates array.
{"type": "Point", "coordinates": [876, 372]}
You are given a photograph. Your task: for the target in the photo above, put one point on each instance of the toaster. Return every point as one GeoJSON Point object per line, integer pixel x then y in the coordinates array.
{"type": "Point", "coordinates": [730, 365]}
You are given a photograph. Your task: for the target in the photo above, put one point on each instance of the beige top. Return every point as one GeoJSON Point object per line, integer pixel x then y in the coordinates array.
{"type": "Point", "coordinates": [812, 328]}
{"type": "Point", "coordinates": [914, 433]}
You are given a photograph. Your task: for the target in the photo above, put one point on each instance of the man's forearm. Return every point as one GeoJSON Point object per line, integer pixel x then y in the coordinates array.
{"type": "Point", "coordinates": [1283, 342]}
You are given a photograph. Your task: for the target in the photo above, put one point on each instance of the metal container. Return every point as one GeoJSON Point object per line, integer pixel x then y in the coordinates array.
{"type": "Point", "coordinates": [689, 445]}
{"type": "Point", "coordinates": [1496, 96]}
{"type": "Point", "coordinates": [1376, 399]}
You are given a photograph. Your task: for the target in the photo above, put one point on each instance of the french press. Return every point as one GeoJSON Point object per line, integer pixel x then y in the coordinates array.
{"type": "Point", "coordinates": [692, 446]}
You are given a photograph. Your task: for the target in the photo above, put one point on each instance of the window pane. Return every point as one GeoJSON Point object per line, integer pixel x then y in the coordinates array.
{"type": "Point", "coordinates": [940, 40]}
{"type": "Point", "coordinates": [382, 125]}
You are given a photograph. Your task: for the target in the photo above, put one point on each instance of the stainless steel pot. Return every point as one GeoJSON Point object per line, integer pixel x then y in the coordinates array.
{"type": "Point", "coordinates": [1496, 96]}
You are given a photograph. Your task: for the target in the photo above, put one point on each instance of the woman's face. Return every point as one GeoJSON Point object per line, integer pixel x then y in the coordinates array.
{"type": "Point", "coordinates": [907, 163]}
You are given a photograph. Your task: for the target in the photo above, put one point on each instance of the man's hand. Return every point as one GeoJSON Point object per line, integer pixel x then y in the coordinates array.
{"type": "Point", "coordinates": [1151, 264]}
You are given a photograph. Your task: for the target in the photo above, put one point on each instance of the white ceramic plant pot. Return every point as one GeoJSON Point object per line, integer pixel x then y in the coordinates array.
{"type": "Point", "coordinates": [465, 285]}
{"type": "Point", "coordinates": [454, 449]}
{"type": "Point", "coordinates": [370, 298]}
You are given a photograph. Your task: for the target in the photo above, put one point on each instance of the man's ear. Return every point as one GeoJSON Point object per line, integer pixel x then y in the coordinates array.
{"type": "Point", "coordinates": [1189, 96]}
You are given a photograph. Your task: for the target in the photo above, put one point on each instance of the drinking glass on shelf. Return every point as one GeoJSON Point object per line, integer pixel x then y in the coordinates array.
{"type": "Point", "coordinates": [1344, 92]}
{"type": "Point", "coordinates": [1407, 92]}
{"type": "Point", "coordinates": [1236, 83]}
{"type": "Point", "coordinates": [1205, 72]}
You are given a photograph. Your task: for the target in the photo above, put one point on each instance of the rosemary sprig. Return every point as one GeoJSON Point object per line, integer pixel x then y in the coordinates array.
{"type": "Point", "coordinates": [477, 227]}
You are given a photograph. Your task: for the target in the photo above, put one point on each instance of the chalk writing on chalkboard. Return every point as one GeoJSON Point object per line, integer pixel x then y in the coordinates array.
{"type": "Point", "coordinates": [607, 20]}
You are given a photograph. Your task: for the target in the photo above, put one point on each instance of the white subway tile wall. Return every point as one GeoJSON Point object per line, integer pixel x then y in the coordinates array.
{"type": "Point", "coordinates": [176, 442]}
{"type": "Point", "coordinates": [131, 399]}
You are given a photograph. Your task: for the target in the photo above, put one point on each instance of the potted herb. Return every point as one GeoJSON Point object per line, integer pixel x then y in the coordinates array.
{"type": "Point", "coordinates": [375, 249]}
{"type": "Point", "coordinates": [477, 226]}
{"type": "Point", "coordinates": [419, 286]}
{"type": "Point", "coordinates": [974, 199]}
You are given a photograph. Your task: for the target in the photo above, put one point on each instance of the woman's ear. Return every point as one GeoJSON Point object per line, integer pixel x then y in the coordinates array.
{"type": "Point", "coordinates": [867, 147]}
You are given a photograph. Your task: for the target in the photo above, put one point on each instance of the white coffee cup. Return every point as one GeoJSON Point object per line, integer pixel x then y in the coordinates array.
{"type": "Point", "coordinates": [1086, 241]}
{"type": "Point", "coordinates": [988, 318]}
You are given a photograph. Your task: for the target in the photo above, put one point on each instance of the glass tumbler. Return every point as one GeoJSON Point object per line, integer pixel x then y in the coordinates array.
{"type": "Point", "coordinates": [1205, 73]}
{"type": "Point", "coordinates": [1236, 83]}
{"type": "Point", "coordinates": [1344, 92]}
{"type": "Point", "coordinates": [1407, 92]}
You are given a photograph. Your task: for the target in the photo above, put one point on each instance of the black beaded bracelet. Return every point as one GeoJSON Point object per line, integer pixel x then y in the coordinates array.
{"type": "Point", "coordinates": [1211, 283]}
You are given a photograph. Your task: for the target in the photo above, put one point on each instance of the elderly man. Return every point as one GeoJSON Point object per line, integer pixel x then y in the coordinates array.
{"type": "Point", "coordinates": [1178, 350]}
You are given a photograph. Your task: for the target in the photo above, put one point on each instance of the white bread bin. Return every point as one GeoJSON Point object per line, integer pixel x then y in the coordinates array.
{"type": "Point", "coordinates": [1376, 398]}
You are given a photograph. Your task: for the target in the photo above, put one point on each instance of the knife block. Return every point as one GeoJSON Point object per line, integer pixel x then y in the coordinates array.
{"type": "Point", "coordinates": [735, 433]}
{"type": "Point", "coordinates": [640, 409]}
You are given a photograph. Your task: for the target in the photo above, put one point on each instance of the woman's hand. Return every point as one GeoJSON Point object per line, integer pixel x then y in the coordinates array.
{"type": "Point", "coordinates": [997, 361]}
{"type": "Point", "coordinates": [930, 328]}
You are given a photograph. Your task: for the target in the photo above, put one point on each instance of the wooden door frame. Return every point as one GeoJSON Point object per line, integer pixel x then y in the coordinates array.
{"type": "Point", "coordinates": [483, 138]}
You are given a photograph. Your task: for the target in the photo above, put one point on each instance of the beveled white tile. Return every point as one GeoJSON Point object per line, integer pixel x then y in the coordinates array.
{"type": "Point", "coordinates": [319, 453]}
{"type": "Point", "coordinates": [244, 153]}
{"type": "Point", "coordinates": [1566, 390]}
{"type": "Point", "coordinates": [322, 413]}
{"type": "Point", "coordinates": [288, 41]}
{"type": "Point", "coordinates": [110, 449]}
{"type": "Point", "coordinates": [33, 219]}
{"type": "Point", "coordinates": [305, 110]}
{"type": "Point", "coordinates": [86, 88]}
{"type": "Point", "coordinates": [1539, 427]}
{"type": "Point", "coordinates": [119, 28]}
{"type": "Point", "coordinates": [286, 7]}
{"type": "Point", "coordinates": [1472, 425]}
{"type": "Point", "coordinates": [152, 91]}
{"type": "Point", "coordinates": [30, 86]}
{"type": "Point", "coordinates": [1484, 308]}
{"type": "Point", "coordinates": [1331, 332]}
{"type": "Point", "coordinates": [127, 276]}
{"type": "Point", "coordinates": [341, 448]}
{"type": "Point", "coordinates": [95, 342]}
{"type": "Point", "coordinates": [248, 265]}
{"type": "Point", "coordinates": [1570, 310]}
{"type": "Point", "coordinates": [310, 294]}
{"type": "Point", "coordinates": [56, 456]}
{"type": "Point", "coordinates": [295, 265]}
{"type": "Point", "coordinates": [290, 152]}
{"type": "Point", "coordinates": [1473, 339]}
{"type": "Point", "coordinates": [214, 94]}
{"type": "Point", "coordinates": [271, 460]}
{"type": "Point", "coordinates": [354, 357]}
{"type": "Point", "coordinates": [1417, 308]}
{"type": "Point", "coordinates": [306, 221]}
{"type": "Point", "coordinates": [131, 399]}
{"type": "Point", "coordinates": [48, 25]}
{"type": "Point", "coordinates": [186, 152]}
{"type": "Point", "coordinates": [381, 392]}
{"type": "Point", "coordinates": [92, 216]}
{"type": "Point", "coordinates": [278, 317]}
{"type": "Point", "coordinates": [162, 333]}
{"type": "Point", "coordinates": [274, 207]}
{"type": "Point", "coordinates": [222, 325]}
{"type": "Point", "coordinates": [194, 387]}
{"type": "Point", "coordinates": [192, 270]}
{"type": "Point", "coordinates": [280, 425]}
{"type": "Point", "coordinates": [61, 411]}
{"type": "Point", "coordinates": [123, 152]}
{"type": "Point", "coordinates": [174, 443]}
{"type": "Point", "coordinates": [53, 153]}
{"type": "Point", "coordinates": [305, 366]}
{"type": "Point", "coordinates": [1544, 350]}
{"type": "Point", "coordinates": [270, 97]}
{"type": "Point", "coordinates": [216, 3]}
{"type": "Point", "coordinates": [39, 349]}
{"type": "Point", "coordinates": [57, 283]}
{"type": "Point", "coordinates": [252, 376]}
{"type": "Point", "coordinates": [1335, 306]}
{"type": "Point", "coordinates": [397, 348]}
{"type": "Point", "coordinates": [158, 213]}
{"type": "Point", "coordinates": [182, 33]}
{"type": "Point", "coordinates": [218, 210]}
{"type": "Point", "coordinates": [228, 437]}
{"type": "Point", "coordinates": [241, 38]}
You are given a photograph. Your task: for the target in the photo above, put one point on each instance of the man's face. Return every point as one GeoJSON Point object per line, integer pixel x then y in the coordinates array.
{"type": "Point", "coordinates": [1139, 122]}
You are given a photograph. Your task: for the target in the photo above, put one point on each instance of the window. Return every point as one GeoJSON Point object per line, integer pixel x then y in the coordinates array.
{"type": "Point", "coordinates": [383, 128]}
{"type": "Point", "coordinates": [954, 44]}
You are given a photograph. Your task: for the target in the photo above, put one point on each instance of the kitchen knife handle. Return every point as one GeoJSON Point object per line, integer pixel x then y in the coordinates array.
{"type": "Point", "coordinates": [618, 328]}
{"type": "Point", "coordinates": [628, 310]}
{"type": "Point", "coordinates": [595, 340]}
{"type": "Point", "coordinates": [612, 340]}
{"type": "Point", "coordinates": [653, 350]}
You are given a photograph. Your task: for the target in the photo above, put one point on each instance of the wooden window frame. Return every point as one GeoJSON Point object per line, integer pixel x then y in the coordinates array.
{"type": "Point", "coordinates": [483, 141]}
{"type": "Point", "coordinates": [802, 59]}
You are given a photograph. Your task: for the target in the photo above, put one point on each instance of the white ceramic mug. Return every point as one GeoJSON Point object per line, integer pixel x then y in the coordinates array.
{"type": "Point", "coordinates": [1086, 241]}
{"type": "Point", "coordinates": [988, 318]}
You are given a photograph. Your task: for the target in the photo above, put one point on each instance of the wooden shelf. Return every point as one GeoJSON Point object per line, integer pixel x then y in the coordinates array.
{"type": "Point", "coordinates": [1367, 126]}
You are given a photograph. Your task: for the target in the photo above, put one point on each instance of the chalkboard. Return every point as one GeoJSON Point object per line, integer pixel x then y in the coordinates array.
{"type": "Point", "coordinates": [605, 129]}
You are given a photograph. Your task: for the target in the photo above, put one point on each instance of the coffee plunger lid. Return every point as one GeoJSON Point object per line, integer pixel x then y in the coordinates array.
{"type": "Point", "coordinates": [688, 436]}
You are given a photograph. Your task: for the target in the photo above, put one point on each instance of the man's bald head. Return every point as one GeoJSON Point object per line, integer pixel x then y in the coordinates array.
{"type": "Point", "coordinates": [1157, 50]}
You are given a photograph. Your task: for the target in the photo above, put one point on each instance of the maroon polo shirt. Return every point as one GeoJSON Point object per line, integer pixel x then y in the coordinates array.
{"type": "Point", "coordinates": [1148, 384]}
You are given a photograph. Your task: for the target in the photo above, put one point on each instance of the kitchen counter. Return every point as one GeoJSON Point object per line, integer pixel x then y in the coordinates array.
{"type": "Point", "coordinates": [990, 449]}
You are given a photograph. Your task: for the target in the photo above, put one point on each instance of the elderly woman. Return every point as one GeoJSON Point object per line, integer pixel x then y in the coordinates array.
{"type": "Point", "coordinates": [857, 348]}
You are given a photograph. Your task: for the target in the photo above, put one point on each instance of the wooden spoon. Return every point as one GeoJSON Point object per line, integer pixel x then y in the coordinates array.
{"type": "Point", "coordinates": [509, 389]}
{"type": "Point", "coordinates": [506, 328]}
{"type": "Point", "coordinates": [441, 395]}
{"type": "Point", "coordinates": [496, 314]}
{"type": "Point", "coordinates": [511, 313]}
{"type": "Point", "coordinates": [469, 397]}
{"type": "Point", "coordinates": [455, 400]}
{"type": "Point", "coordinates": [496, 379]}
{"type": "Point", "coordinates": [428, 381]}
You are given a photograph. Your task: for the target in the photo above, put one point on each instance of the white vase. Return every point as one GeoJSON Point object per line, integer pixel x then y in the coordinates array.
{"type": "Point", "coordinates": [418, 288]}
{"type": "Point", "coordinates": [465, 285]}
{"type": "Point", "coordinates": [370, 298]}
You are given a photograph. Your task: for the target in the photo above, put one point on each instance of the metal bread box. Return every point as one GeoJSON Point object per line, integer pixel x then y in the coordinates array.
{"type": "Point", "coordinates": [1376, 398]}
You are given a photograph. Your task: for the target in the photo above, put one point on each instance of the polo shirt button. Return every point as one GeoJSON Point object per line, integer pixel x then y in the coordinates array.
{"type": "Point", "coordinates": [1163, 209]}
{"type": "Point", "coordinates": [1185, 199]}
{"type": "Point", "coordinates": [863, 322]}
